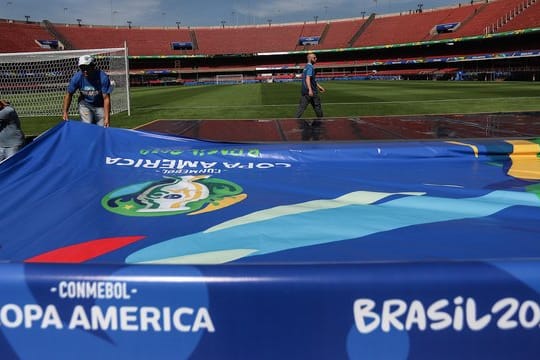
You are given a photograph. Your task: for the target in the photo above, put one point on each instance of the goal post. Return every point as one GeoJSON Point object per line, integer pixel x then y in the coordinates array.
{"type": "Point", "coordinates": [229, 79]}
{"type": "Point", "coordinates": [36, 82]}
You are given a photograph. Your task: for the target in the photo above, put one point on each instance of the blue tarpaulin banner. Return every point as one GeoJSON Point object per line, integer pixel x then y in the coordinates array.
{"type": "Point", "coordinates": [309, 40]}
{"type": "Point", "coordinates": [182, 45]}
{"type": "Point", "coordinates": [122, 243]}
{"type": "Point", "coordinates": [445, 28]}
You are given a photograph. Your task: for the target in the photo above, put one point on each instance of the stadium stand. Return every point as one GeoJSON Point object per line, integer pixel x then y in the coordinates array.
{"type": "Point", "coordinates": [52, 30]}
{"type": "Point", "coordinates": [140, 41]}
{"type": "Point", "coordinates": [22, 37]}
{"type": "Point", "coordinates": [361, 30]}
{"type": "Point", "coordinates": [406, 44]}
{"type": "Point", "coordinates": [525, 15]}
{"type": "Point", "coordinates": [398, 29]}
{"type": "Point", "coordinates": [262, 38]}
{"type": "Point", "coordinates": [250, 39]}
{"type": "Point", "coordinates": [487, 15]}
{"type": "Point", "coordinates": [319, 30]}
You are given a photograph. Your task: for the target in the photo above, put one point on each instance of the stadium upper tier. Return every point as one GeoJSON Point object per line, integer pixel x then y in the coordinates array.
{"type": "Point", "coordinates": [471, 19]}
{"type": "Point", "coordinates": [414, 27]}
{"type": "Point", "coordinates": [21, 37]}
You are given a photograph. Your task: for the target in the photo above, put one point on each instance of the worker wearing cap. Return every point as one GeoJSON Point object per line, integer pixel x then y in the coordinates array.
{"type": "Point", "coordinates": [94, 87]}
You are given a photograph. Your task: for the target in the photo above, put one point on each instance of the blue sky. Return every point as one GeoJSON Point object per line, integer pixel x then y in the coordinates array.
{"type": "Point", "coordinates": [203, 12]}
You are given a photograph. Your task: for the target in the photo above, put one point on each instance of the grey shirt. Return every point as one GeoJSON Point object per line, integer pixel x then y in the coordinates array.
{"type": "Point", "coordinates": [11, 134]}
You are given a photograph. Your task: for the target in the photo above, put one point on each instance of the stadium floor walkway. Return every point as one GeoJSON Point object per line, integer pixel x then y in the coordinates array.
{"type": "Point", "coordinates": [412, 127]}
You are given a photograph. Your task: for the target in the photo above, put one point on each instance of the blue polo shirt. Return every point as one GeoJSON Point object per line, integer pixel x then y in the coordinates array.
{"type": "Point", "coordinates": [309, 70]}
{"type": "Point", "coordinates": [91, 88]}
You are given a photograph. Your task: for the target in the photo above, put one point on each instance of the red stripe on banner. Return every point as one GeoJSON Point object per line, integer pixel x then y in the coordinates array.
{"type": "Point", "coordinates": [85, 251]}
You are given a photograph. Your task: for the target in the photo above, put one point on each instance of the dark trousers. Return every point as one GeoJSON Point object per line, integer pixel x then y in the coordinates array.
{"type": "Point", "coordinates": [315, 102]}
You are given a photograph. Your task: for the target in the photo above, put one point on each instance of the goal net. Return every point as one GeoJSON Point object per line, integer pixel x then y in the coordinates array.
{"type": "Point", "coordinates": [229, 79]}
{"type": "Point", "coordinates": [36, 82]}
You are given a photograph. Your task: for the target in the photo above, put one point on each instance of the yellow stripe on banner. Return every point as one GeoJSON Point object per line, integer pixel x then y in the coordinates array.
{"type": "Point", "coordinates": [473, 147]}
{"type": "Point", "coordinates": [220, 204]}
{"type": "Point", "coordinates": [525, 161]}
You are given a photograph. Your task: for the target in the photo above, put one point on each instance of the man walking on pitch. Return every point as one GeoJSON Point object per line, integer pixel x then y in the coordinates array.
{"type": "Point", "coordinates": [310, 89]}
{"type": "Point", "coordinates": [94, 87]}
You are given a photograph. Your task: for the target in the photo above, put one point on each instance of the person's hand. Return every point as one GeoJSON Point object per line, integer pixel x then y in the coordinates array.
{"type": "Point", "coordinates": [321, 89]}
{"type": "Point", "coordinates": [65, 116]}
{"type": "Point", "coordinates": [106, 123]}
{"type": "Point", "coordinates": [310, 93]}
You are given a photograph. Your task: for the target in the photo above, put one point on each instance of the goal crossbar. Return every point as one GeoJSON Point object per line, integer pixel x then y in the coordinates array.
{"type": "Point", "coordinates": [36, 82]}
{"type": "Point", "coordinates": [229, 79]}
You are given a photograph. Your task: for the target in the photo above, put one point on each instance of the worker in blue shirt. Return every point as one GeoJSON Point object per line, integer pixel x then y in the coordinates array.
{"type": "Point", "coordinates": [310, 89]}
{"type": "Point", "coordinates": [94, 85]}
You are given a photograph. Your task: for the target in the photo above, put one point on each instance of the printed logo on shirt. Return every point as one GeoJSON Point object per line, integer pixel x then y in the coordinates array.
{"type": "Point", "coordinates": [89, 91]}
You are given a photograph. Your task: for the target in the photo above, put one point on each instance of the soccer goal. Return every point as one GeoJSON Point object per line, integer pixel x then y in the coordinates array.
{"type": "Point", "coordinates": [229, 79]}
{"type": "Point", "coordinates": [36, 82]}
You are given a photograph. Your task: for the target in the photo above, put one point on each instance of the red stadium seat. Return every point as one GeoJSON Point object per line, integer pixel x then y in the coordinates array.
{"type": "Point", "coordinates": [140, 41]}
{"type": "Point", "coordinates": [489, 14]}
{"type": "Point", "coordinates": [21, 37]}
{"type": "Point", "coordinates": [474, 19]}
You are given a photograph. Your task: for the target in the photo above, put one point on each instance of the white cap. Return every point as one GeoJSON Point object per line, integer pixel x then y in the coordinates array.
{"type": "Point", "coordinates": [86, 60]}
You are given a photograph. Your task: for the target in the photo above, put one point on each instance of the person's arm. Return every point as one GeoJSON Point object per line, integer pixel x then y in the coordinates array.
{"type": "Point", "coordinates": [308, 85]}
{"type": "Point", "coordinates": [321, 89]}
{"type": "Point", "coordinates": [4, 116]}
{"type": "Point", "coordinates": [7, 114]}
{"type": "Point", "coordinates": [66, 105]}
{"type": "Point", "coordinates": [72, 87]}
{"type": "Point", "coordinates": [106, 90]}
{"type": "Point", "coordinates": [106, 109]}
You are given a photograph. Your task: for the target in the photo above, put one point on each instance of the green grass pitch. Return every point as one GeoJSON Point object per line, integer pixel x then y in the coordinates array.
{"type": "Point", "coordinates": [342, 99]}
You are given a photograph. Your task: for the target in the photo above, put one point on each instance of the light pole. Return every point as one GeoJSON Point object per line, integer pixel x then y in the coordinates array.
{"type": "Point", "coordinates": [269, 22]}
{"type": "Point", "coordinates": [223, 22]}
{"type": "Point", "coordinates": [8, 6]}
{"type": "Point", "coordinates": [27, 17]}
{"type": "Point", "coordinates": [129, 24]}
{"type": "Point", "coordinates": [316, 17]}
{"type": "Point", "coordinates": [79, 21]}
{"type": "Point", "coordinates": [112, 14]}
{"type": "Point", "coordinates": [178, 25]}
{"type": "Point", "coordinates": [363, 14]}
